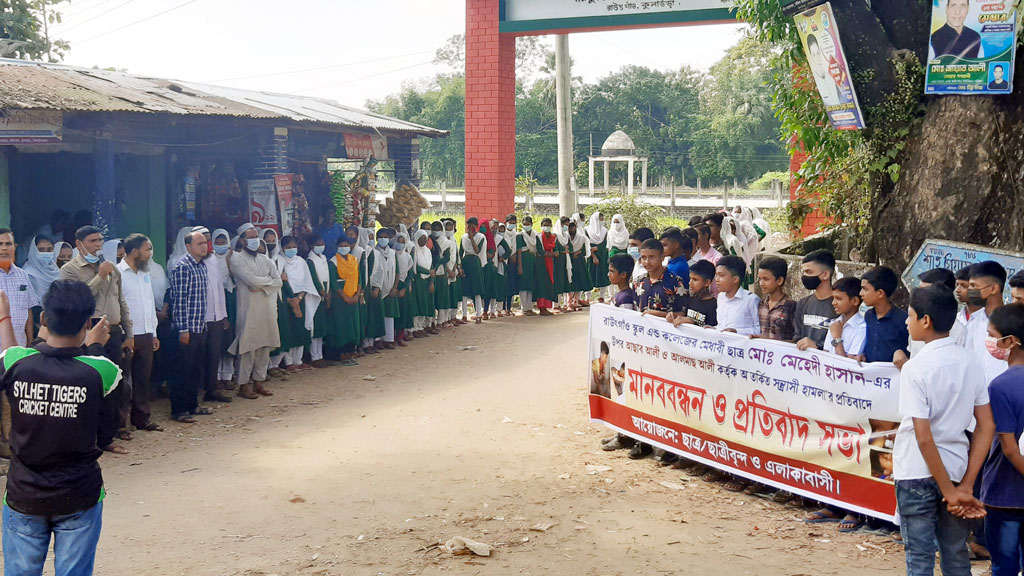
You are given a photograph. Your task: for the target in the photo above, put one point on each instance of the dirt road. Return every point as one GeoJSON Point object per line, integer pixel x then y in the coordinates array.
{"type": "Point", "coordinates": [341, 474]}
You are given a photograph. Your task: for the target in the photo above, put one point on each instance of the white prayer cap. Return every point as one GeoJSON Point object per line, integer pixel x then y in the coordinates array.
{"type": "Point", "coordinates": [244, 227]}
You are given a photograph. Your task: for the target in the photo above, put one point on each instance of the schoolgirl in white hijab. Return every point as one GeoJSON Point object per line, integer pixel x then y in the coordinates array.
{"type": "Point", "coordinates": [110, 250]}
{"type": "Point", "coordinates": [223, 255]}
{"type": "Point", "coordinates": [422, 258]}
{"type": "Point", "coordinates": [294, 268]}
{"type": "Point", "coordinates": [318, 261]}
{"type": "Point", "coordinates": [179, 251]}
{"type": "Point", "coordinates": [41, 267]}
{"type": "Point", "coordinates": [618, 236]}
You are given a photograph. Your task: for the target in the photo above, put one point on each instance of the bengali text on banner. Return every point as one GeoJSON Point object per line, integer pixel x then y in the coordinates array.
{"type": "Point", "coordinates": [809, 422]}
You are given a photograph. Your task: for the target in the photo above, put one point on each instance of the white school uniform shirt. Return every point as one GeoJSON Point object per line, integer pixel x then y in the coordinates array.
{"type": "Point", "coordinates": [137, 288]}
{"type": "Point", "coordinates": [959, 330]}
{"type": "Point", "coordinates": [943, 383]}
{"type": "Point", "coordinates": [855, 334]}
{"type": "Point", "coordinates": [739, 312]}
{"type": "Point", "coordinates": [976, 332]}
{"type": "Point", "coordinates": [216, 301]}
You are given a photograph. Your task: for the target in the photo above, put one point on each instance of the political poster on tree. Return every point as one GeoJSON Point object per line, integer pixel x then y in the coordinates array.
{"type": "Point", "coordinates": [819, 36]}
{"type": "Point", "coordinates": [972, 47]}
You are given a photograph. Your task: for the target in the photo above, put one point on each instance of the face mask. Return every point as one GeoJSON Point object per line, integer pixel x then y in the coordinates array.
{"type": "Point", "coordinates": [353, 241]}
{"type": "Point", "coordinates": [291, 252]}
{"type": "Point", "coordinates": [221, 250]}
{"type": "Point", "coordinates": [400, 247]}
{"type": "Point", "coordinates": [527, 228]}
{"type": "Point", "coordinates": [634, 251]}
{"type": "Point", "coordinates": [449, 233]}
{"type": "Point", "coordinates": [992, 345]}
{"type": "Point", "coordinates": [270, 248]}
{"type": "Point", "coordinates": [318, 250]}
{"type": "Point", "coordinates": [393, 244]}
{"type": "Point", "coordinates": [252, 244]}
{"type": "Point", "coordinates": [344, 250]}
{"type": "Point", "coordinates": [810, 282]}
{"type": "Point", "coordinates": [46, 257]}
{"type": "Point", "coordinates": [384, 242]}
{"type": "Point", "coordinates": [974, 297]}
{"type": "Point", "coordinates": [91, 259]}
{"type": "Point", "coordinates": [546, 229]}
{"type": "Point", "coordinates": [435, 234]}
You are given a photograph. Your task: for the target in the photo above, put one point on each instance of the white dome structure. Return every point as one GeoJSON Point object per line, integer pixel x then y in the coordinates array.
{"type": "Point", "coordinates": [619, 147]}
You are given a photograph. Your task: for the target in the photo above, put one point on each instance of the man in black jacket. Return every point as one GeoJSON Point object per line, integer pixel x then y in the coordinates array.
{"type": "Point", "coordinates": [56, 389]}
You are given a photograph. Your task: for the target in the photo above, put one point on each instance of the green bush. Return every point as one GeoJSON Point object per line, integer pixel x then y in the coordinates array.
{"type": "Point", "coordinates": [765, 182]}
{"type": "Point", "coordinates": [636, 212]}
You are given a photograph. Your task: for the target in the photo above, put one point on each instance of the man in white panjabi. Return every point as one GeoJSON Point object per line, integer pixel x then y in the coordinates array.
{"type": "Point", "coordinates": [257, 283]}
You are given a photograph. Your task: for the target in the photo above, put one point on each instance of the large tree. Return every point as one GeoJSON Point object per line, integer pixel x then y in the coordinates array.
{"type": "Point", "coordinates": [27, 23]}
{"type": "Point", "coordinates": [925, 166]}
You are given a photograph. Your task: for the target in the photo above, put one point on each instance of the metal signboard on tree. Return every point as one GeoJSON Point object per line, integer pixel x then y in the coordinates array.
{"type": "Point", "coordinates": [819, 36]}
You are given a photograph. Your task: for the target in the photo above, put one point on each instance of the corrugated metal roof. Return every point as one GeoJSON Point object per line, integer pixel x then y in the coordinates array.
{"type": "Point", "coordinates": [37, 86]}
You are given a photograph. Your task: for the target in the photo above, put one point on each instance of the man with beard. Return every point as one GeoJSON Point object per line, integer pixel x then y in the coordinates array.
{"type": "Point", "coordinates": [258, 283]}
{"type": "Point", "coordinates": [137, 285]}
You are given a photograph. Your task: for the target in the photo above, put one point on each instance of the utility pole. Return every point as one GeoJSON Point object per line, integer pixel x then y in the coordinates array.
{"type": "Point", "coordinates": [563, 104]}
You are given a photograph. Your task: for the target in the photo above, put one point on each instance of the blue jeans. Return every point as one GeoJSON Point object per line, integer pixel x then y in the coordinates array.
{"type": "Point", "coordinates": [1004, 529]}
{"type": "Point", "coordinates": [27, 538]}
{"type": "Point", "coordinates": [924, 520]}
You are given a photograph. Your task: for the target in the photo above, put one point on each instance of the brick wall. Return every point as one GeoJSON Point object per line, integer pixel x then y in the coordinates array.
{"type": "Point", "coordinates": [273, 156]}
{"type": "Point", "coordinates": [490, 112]}
{"type": "Point", "coordinates": [813, 220]}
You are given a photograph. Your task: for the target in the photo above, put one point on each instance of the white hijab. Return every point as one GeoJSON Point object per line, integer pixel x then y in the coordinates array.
{"type": "Point", "coordinates": [618, 236]}
{"type": "Point", "coordinates": [733, 239]}
{"type": "Point", "coordinates": [41, 273]}
{"type": "Point", "coordinates": [223, 260]}
{"type": "Point", "coordinates": [110, 250]}
{"type": "Point", "coordinates": [563, 238]}
{"type": "Point", "coordinates": [272, 254]}
{"type": "Point", "coordinates": [404, 257]}
{"type": "Point", "coordinates": [530, 239]}
{"type": "Point", "coordinates": [179, 251]}
{"type": "Point", "coordinates": [158, 280]}
{"type": "Point", "coordinates": [300, 280]}
{"type": "Point", "coordinates": [596, 230]}
{"type": "Point", "coordinates": [424, 258]}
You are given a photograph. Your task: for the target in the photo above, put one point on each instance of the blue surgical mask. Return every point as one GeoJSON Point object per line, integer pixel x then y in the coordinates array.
{"type": "Point", "coordinates": [318, 250]}
{"type": "Point", "coordinates": [344, 250]}
{"type": "Point", "coordinates": [527, 228]}
{"type": "Point", "coordinates": [221, 250]}
{"type": "Point", "coordinates": [400, 247]}
{"type": "Point", "coordinates": [291, 252]}
{"type": "Point", "coordinates": [252, 244]}
{"type": "Point", "coordinates": [435, 234]}
{"type": "Point", "coordinates": [90, 258]}
{"type": "Point", "coordinates": [634, 251]}
{"type": "Point", "coordinates": [546, 229]}
{"type": "Point", "coordinates": [46, 257]}
{"type": "Point", "coordinates": [449, 233]}
{"type": "Point", "coordinates": [383, 242]}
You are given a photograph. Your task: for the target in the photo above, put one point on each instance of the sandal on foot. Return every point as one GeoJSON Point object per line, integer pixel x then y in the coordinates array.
{"type": "Point", "coordinates": [735, 485]}
{"type": "Point", "coordinates": [115, 449]}
{"type": "Point", "coordinates": [123, 435]}
{"type": "Point", "coordinates": [823, 516]}
{"type": "Point", "coordinates": [201, 411]}
{"type": "Point", "coordinates": [850, 523]}
{"type": "Point", "coordinates": [152, 427]}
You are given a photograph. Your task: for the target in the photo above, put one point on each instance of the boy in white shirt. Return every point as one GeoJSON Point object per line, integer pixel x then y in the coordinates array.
{"type": "Point", "coordinates": [935, 465]}
{"type": "Point", "coordinates": [737, 308]}
{"type": "Point", "coordinates": [848, 332]}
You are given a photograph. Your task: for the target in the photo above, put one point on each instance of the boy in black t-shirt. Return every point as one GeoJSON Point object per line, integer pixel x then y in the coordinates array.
{"type": "Point", "coordinates": [700, 308]}
{"type": "Point", "coordinates": [55, 390]}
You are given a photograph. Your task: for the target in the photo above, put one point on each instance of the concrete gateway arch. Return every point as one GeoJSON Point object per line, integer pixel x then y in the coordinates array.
{"type": "Point", "coordinates": [491, 30]}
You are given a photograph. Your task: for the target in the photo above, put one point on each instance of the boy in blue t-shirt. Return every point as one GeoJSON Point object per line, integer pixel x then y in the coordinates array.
{"type": "Point", "coordinates": [620, 272]}
{"type": "Point", "coordinates": [886, 324]}
{"type": "Point", "coordinates": [1002, 484]}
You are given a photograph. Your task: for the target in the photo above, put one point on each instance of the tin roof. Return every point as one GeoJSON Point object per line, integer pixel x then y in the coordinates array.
{"type": "Point", "coordinates": [38, 86]}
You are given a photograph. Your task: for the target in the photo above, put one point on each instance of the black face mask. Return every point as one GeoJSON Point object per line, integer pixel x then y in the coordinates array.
{"type": "Point", "coordinates": [974, 297]}
{"type": "Point", "coordinates": [810, 282]}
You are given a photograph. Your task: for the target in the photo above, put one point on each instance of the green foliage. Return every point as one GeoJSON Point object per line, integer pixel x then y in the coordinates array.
{"type": "Point", "coordinates": [635, 212]}
{"type": "Point", "coordinates": [844, 170]}
{"type": "Point", "coordinates": [766, 179]}
{"type": "Point", "coordinates": [29, 21]}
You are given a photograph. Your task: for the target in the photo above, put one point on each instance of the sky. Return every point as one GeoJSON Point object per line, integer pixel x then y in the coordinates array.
{"type": "Point", "coordinates": [346, 50]}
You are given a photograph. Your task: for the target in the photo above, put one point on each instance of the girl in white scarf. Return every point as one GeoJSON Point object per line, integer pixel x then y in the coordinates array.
{"type": "Point", "coordinates": [618, 236]}
{"type": "Point", "coordinates": [423, 259]}
{"type": "Point", "coordinates": [562, 235]}
{"type": "Point", "coordinates": [318, 263]}
{"type": "Point", "coordinates": [112, 249]}
{"type": "Point", "coordinates": [223, 252]}
{"type": "Point", "coordinates": [179, 251]}
{"type": "Point", "coordinates": [577, 244]}
{"type": "Point", "coordinates": [41, 267]}
{"type": "Point", "coordinates": [295, 272]}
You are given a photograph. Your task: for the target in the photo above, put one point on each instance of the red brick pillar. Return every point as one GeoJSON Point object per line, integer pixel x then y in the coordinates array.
{"type": "Point", "coordinates": [490, 112]}
{"type": "Point", "coordinates": [812, 221]}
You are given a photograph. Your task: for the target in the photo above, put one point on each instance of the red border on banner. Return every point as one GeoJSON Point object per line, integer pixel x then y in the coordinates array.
{"type": "Point", "coordinates": [869, 496]}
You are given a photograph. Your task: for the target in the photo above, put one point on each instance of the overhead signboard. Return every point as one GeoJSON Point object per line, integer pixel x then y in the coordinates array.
{"type": "Point", "coordinates": [958, 255]}
{"type": "Point", "coordinates": [535, 16]}
{"type": "Point", "coordinates": [819, 36]}
{"type": "Point", "coordinates": [30, 127]}
{"type": "Point", "coordinates": [363, 146]}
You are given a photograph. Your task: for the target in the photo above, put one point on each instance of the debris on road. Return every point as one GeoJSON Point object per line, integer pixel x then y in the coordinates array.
{"type": "Point", "coordinates": [461, 546]}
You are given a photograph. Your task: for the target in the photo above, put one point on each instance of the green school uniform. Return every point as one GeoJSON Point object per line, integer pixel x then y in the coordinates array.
{"type": "Point", "coordinates": [545, 278]}
{"type": "Point", "coordinates": [599, 271]}
{"type": "Point", "coordinates": [320, 318]}
{"type": "Point", "coordinates": [561, 274]}
{"type": "Point", "coordinates": [473, 282]}
{"type": "Point", "coordinates": [291, 327]}
{"type": "Point", "coordinates": [374, 326]}
{"type": "Point", "coordinates": [528, 279]}
{"type": "Point", "coordinates": [440, 295]}
{"type": "Point", "coordinates": [343, 318]}
{"type": "Point", "coordinates": [580, 271]}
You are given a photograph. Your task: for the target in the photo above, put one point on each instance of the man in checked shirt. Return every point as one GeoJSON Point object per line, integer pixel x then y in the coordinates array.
{"type": "Point", "coordinates": [188, 314]}
{"type": "Point", "coordinates": [14, 282]}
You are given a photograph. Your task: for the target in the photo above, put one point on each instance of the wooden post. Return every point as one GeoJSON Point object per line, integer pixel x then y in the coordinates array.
{"type": "Point", "coordinates": [672, 205]}
{"type": "Point", "coordinates": [698, 187]}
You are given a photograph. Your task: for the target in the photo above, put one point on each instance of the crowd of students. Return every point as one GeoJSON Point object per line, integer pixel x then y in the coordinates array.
{"type": "Point", "coordinates": [956, 456]}
{"type": "Point", "coordinates": [232, 312]}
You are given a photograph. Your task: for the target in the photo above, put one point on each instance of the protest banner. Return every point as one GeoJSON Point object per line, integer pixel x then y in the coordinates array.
{"type": "Point", "coordinates": [819, 36]}
{"type": "Point", "coordinates": [809, 422]}
{"type": "Point", "coordinates": [972, 47]}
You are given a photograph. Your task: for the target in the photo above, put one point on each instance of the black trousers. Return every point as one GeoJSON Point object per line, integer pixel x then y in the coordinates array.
{"type": "Point", "coordinates": [142, 371]}
{"type": "Point", "coordinates": [110, 409]}
{"type": "Point", "coordinates": [215, 332]}
{"type": "Point", "coordinates": [185, 386]}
